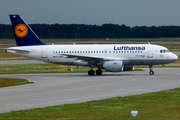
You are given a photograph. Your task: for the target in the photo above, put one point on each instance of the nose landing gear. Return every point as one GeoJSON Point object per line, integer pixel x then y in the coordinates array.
{"type": "Point", "coordinates": [151, 72]}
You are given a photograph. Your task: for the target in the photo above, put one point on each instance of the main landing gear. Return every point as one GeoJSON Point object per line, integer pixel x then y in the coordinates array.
{"type": "Point", "coordinates": [151, 72]}
{"type": "Point", "coordinates": [98, 72]}
{"type": "Point", "coordinates": [91, 72]}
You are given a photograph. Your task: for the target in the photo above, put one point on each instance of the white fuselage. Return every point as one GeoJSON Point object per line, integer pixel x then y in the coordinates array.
{"type": "Point", "coordinates": [130, 54]}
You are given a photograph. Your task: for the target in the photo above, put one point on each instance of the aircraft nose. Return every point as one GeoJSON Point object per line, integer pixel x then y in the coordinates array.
{"type": "Point", "coordinates": [174, 57]}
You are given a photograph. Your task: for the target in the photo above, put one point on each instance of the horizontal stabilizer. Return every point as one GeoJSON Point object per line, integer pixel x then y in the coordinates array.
{"type": "Point", "coordinates": [20, 50]}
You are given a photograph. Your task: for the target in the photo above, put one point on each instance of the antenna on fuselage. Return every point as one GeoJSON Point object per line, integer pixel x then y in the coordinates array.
{"type": "Point", "coordinates": [147, 41]}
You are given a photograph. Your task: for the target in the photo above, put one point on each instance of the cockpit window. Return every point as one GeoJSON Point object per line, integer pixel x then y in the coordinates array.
{"type": "Point", "coordinates": [164, 51]}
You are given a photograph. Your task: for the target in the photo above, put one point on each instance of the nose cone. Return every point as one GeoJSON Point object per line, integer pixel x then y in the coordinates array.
{"type": "Point", "coordinates": [173, 57]}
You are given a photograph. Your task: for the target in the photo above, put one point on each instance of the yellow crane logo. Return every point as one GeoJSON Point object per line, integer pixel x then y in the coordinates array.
{"type": "Point", "coordinates": [21, 30]}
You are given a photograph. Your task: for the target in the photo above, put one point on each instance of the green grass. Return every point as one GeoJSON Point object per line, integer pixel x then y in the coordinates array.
{"type": "Point", "coordinates": [36, 68]}
{"type": "Point", "coordinates": [6, 82]}
{"type": "Point", "coordinates": [163, 105]}
{"type": "Point", "coordinates": [41, 68]}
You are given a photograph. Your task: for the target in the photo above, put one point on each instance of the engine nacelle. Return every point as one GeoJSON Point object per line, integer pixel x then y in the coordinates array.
{"type": "Point", "coordinates": [81, 63]}
{"type": "Point", "coordinates": [128, 67]}
{"type": "Point", "coordinates": [113, 66]}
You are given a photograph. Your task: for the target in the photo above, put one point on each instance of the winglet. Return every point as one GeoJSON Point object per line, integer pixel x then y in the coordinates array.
{"type": "Point", "coordinates": [24, 35]}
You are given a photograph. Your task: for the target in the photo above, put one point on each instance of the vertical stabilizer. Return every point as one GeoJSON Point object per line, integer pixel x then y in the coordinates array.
{"type": "Point", "coordinates": [24, 35]}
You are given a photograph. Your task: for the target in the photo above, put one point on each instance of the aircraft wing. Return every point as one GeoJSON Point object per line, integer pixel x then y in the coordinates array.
{"type": "Point", "coordinates": [91, 59]}
{"type": "Point", "coordinates": [94, 59]}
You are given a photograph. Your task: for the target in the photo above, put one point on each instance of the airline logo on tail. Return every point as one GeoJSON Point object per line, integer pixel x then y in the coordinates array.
{"type": "Point", "coordinates": [21, 30]}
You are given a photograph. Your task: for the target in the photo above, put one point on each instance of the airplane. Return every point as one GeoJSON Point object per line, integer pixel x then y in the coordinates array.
{"type": "Point", "coordinates": [111, 57]}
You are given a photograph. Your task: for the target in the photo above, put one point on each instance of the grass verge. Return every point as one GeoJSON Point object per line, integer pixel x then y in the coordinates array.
{"type": "Point", "coordinates": [6, 82]}
{"type": "Point", "coordinates": [38, 68]}
{"type": "Point", "coordinates": [151, 106]}
{"type": "Point", "coordinates": [42, 68]}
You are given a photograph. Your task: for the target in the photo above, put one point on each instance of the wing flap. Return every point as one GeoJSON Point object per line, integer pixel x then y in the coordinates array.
{"type": "Point", "coordinates": [83, 57]}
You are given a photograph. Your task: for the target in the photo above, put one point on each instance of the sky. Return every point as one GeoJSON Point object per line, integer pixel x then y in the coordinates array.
{"type": "Point", "coordinates": [94, 12]}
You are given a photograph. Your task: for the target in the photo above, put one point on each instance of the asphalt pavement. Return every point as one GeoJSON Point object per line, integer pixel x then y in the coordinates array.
{"type": "Point", "coordinates": [62, 88]}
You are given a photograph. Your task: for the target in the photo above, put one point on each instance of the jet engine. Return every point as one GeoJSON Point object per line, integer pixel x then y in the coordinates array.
{"type": "Point", "coordinates": [128, 67]}
{"type": "Point", "coordinates": [113, 66]}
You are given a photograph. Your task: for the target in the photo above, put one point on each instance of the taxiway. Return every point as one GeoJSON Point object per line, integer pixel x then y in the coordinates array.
{"type": "Point", "coordinates": [62, 88]}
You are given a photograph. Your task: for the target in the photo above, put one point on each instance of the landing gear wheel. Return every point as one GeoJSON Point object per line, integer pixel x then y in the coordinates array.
{"type": "Point", "coordinates": [91, 72]}
{"type": "Point", "coordinates": [99, 72]}
{"type": "Point", "coordinates": [151, 72]}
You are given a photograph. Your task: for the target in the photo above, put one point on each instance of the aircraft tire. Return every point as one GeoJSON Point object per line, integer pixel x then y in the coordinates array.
{"type": "Point", "coordinates": [91, 72]}
{"type": "Point", "coordinates": [151, 72]}
{"type": "Point", "coordinates": [98, 72]}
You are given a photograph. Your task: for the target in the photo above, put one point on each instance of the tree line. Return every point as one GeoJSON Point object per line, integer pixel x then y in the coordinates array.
{"type": "Point", "coordinates": [95, 31]}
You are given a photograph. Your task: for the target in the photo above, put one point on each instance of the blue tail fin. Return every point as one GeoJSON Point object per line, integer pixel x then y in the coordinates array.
{"type": "Point", "coordinates": [24, 35]}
